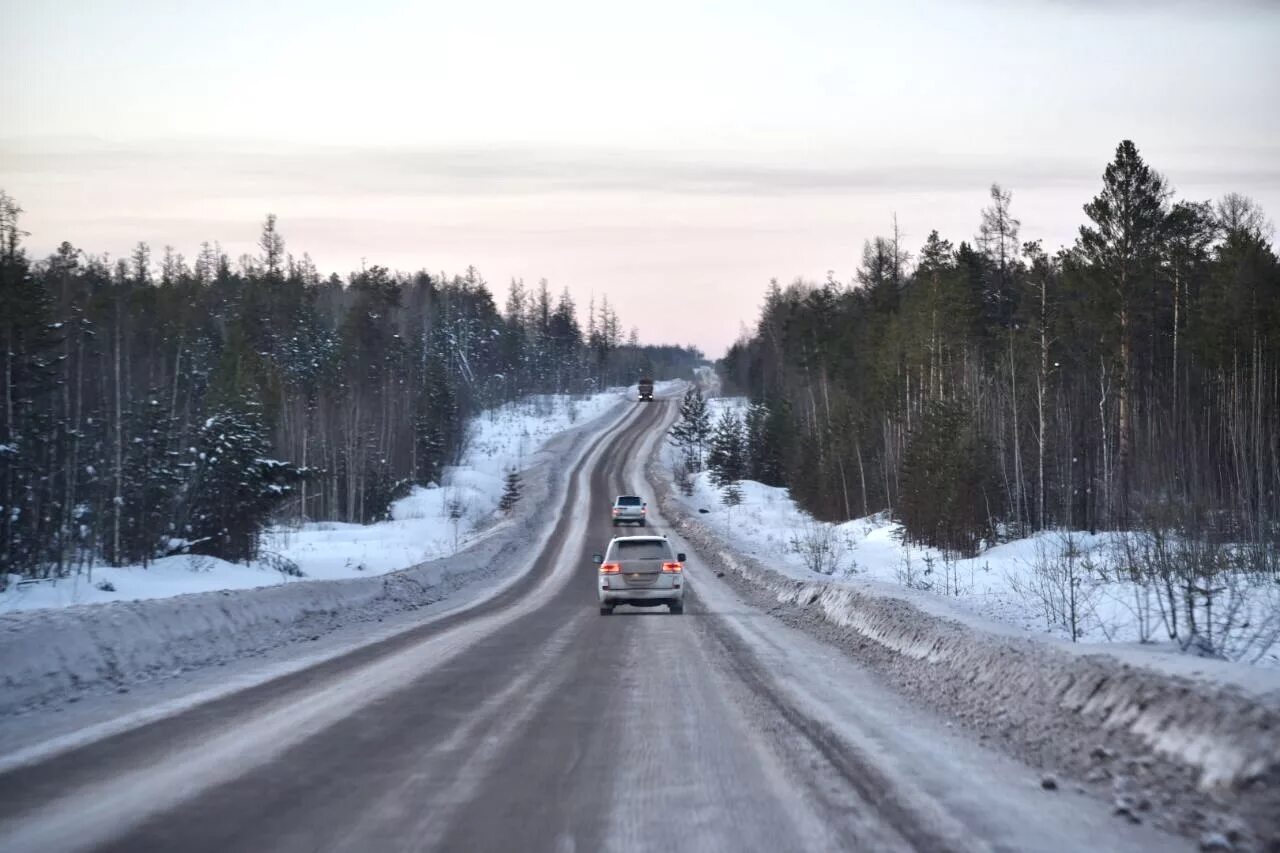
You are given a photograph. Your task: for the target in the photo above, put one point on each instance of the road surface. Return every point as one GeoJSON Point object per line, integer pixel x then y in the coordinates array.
{"type": "Point", "coordinates": [532, 722]}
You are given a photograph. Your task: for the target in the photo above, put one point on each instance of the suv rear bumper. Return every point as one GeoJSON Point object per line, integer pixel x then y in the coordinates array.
{"type": "Point", "coordinates": [622, 596]}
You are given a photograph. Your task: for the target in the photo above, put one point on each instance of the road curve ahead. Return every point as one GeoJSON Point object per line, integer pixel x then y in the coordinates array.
{"type": "Point", "coordinates": [532, 722]}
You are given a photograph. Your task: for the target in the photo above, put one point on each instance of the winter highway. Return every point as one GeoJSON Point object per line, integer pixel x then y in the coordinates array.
{"type": "Point", "coordinates": [531, 722]}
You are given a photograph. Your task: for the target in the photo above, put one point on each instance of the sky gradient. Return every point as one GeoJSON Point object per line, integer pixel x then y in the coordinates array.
{"type": "Point", "coordinates": [673, 156]}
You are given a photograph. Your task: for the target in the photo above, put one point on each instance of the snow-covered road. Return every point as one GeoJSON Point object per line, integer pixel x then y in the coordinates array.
{"type": "Point", "coordinates": [531, 722]}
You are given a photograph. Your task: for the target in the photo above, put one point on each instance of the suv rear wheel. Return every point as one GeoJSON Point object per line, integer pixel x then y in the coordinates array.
{"type": "Point", "coordinates": [605, 610]}
{"type": "Point", "coordinates": [676, 607]}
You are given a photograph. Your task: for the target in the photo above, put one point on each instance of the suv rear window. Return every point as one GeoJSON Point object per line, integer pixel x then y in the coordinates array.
{"type": "Point", "coordinates": [629, 500]}
{"type": "Point", "coordinates": [643, 549]}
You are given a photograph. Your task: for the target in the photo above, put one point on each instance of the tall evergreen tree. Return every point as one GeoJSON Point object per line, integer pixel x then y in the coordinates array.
{"type": "Point", "coordinates": [1122, 247]}
{"type": "Point", "coordinates": [29, 343]}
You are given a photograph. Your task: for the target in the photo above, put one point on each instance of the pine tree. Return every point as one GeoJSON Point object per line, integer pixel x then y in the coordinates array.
{"type": "Point", "coordinates": [1123, 246]}
{"type": "Point", "coordinates": [998, 240]}
{"type": "Point", "coordinates": [881, 274]}
{"type": "Point", "coordinates": [727, 457]}
{"type": "Point", "coordinates": [510, 491]}
{"type": "Point", "coordinates": [946, 501]}
{"type": "Point", "coordinates": [765, 437]}
{"type": "Point", "coordinates": [693, 428]}
{"type": "Point", "coordinates": [152, 480]}
{"type": "Point", "coordinates": [437, 430]}
{"type": "Point", "coordinates": [234, 485]}
{"type": "Point", "coordinates": [272, 245]}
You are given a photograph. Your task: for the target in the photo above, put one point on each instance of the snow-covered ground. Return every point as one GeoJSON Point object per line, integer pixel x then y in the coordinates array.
{"type": "Point", "coordinates": [421, 527]}
{"type": "Point", "coordinates": [1025, 583]}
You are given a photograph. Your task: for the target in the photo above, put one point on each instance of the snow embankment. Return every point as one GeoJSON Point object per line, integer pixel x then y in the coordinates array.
{"type": "Point", "coordinates": [55, 653]}
{"type": "Point", "coordinates": [1070, 585]}
{"type": "Point", "coordinates": [1199, 751]}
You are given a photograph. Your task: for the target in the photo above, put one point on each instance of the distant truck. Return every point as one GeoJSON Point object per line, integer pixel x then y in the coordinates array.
{"type": "Point", "coordinates": [646, 390]}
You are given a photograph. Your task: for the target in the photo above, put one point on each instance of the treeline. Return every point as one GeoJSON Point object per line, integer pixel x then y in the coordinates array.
{"type": "Point", "coordinates": [986, 389]}
{"type": "Point", "coordinates": [158, 407]}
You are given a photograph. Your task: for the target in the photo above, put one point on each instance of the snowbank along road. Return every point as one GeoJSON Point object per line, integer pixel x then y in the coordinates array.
{"type": "Point", "coordinates": [532, 722]}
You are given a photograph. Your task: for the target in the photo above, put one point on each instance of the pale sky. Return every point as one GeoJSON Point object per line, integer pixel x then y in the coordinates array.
{"type": "Point", "coordinates": [673, 155]}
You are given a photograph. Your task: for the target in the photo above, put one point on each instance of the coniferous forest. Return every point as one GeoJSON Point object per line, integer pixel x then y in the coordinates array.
{"type": "Point", "coordinates": [156, 404]}
{"type": "Point", "coordinates": [981, 388]}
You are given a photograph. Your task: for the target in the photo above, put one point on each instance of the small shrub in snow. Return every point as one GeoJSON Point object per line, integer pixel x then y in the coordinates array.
{"type": "Point", "coordinates": [455, 508]}
{"type": "Point", "coordinates": [106, 586]}
{"type": "Point", "coordinates": [680, 475]}
{"type": "Point", "coordinates": [730, 497]}
{"type": "Point", "coordinates": [1063, 585]}
{"type": "Point", "coordinates": [911, 575]}
{"type": "Point", "coordinates": [820, 546]}
{"type": "Point", "coordinates": [281, 564]}
{"type": "Point", "coordinates": [381, 492]}
{"type": "Point", "coordinates": [943, 575]}
{"type": "Point", "coordinates": [1217, 599]}
{"type": "Point", "coordinates": [1138, 600]}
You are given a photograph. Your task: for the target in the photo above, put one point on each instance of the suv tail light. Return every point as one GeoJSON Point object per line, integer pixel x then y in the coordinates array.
{"type": "Point", "coordinates": [611, 568]}
{"type": "Point", "coordinates": [672, 567]}
{"type": "Point", "coordinates": [615, 510]}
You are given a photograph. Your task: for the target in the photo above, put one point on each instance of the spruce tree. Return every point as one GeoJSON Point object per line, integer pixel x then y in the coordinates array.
{"type": "Point", "coordinates": [437, 426]}
{"type": "Point", "coordinates": [234, 485]}
{"type": "Point", "coordinates": [153, 478]}
{"type": "Point", "coordinates": [692, 429]}
{"type": "Point", "coordinates": [726, 457]}
{"type": "Point", "coordinates": [1123, 246]}
{"type": "Point", "coordinates": [766, 432]}
{"type": "Point", "coordinates": [510, 491]}
{"type": "Point", "coordinates": [946, 500]}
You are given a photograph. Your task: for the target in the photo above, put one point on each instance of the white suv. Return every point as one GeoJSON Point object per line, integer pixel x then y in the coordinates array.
{"type": "Point", "coordinates": [642, 571]}
{"type": "Point", "coordinates": [629, 509]}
